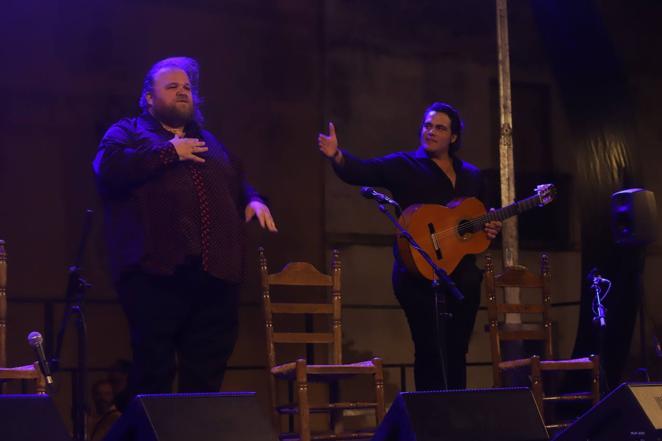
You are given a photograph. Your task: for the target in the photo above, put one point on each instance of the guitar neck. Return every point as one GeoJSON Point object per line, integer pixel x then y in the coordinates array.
{"type": "Point", "coordinates": [510, 210]}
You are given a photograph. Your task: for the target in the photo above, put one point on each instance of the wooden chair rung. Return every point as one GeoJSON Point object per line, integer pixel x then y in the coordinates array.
{"type": "Point", "coordinates": [302, 337]}
{"type": "Point", "coordinates": [343, 436]}
{"type": "Point", "coordinates": [301, 308]}
{"type": "Point", "coordinates": [511, 308]}
{"type": "Point", "coordinates": [578, 396]}
{"type": "Point", "coordinates": [365, 434]}
{"type": "Point", "coordinates": [558, 425]}
{"type": "Point", "coordinates": [293, 409]}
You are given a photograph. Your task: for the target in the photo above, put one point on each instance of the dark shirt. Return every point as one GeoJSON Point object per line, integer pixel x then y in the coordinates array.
{"type": "Point", "coordinates": [413, 178]}
{"type": "Point", "coordinates": [161, 212]}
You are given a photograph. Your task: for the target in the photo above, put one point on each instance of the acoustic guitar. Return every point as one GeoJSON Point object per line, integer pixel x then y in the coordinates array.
{"type": "Point", "coordinates": [448, 233]}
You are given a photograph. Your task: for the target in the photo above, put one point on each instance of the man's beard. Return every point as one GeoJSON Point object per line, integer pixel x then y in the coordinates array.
{"type": "Point", "coordinates": [173, 115]}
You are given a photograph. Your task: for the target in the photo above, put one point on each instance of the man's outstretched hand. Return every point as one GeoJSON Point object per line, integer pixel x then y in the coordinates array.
{"type": "Point", "coordinates": [256, 209]}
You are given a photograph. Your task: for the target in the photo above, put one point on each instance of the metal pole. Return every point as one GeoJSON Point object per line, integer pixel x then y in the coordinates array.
{"type": "Point", "coordinates": [509, 235]}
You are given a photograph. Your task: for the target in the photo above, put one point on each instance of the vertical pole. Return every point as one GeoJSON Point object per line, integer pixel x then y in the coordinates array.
{"type": "Point", "coordinates": [3, 307]}
{"type": "Point", "coordinates": [510, 238]}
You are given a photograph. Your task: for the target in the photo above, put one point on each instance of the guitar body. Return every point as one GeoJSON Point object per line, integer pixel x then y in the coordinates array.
{"type": "Point", "coordinates": [435, 228]}
{"type": "Point", "coordinates": [447, 234]}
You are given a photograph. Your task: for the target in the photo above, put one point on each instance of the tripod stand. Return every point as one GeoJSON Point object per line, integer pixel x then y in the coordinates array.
{"type": "Point", "coordinates": [75, 297]}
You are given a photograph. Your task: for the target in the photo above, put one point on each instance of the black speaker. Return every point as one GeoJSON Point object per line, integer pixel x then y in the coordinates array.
{"type": "Point", "coordinates": [633, 217]}
{"type": "Point", "coordinates": [188, 417]}
{"type": "Point", "coordinates": [507, 414]}
{"type": "Point", "coordinates": [630, 412]}
{"type": "Point", "coordinates": [30, 418]}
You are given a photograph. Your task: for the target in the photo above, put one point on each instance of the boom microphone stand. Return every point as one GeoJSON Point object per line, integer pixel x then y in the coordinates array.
{"type": "Point", "coordinates": [75, 297]}
{"type": "Point", "coordinates": [441, 284]}
{"type": "Point", "coordinates": [600, 318]}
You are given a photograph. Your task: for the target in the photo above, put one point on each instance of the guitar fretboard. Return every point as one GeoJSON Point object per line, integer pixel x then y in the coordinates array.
{"type": "Point", "coordinates": [509, 210]}
{"type": "Point", "coordinates": [476, 224]}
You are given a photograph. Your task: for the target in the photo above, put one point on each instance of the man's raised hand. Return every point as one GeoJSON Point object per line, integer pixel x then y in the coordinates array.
{"type": "Point", "coordinates": [328, 144]}
{"type": "Point", "coordinates": [188, 148]}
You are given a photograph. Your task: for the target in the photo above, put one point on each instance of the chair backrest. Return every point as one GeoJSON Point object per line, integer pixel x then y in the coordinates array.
{"type": "Point", "coordinates": [303, 274]}
{"type": "Point", "coordinates": [536, 323]}
{"type": "Point", "coordinates": [3, 304]}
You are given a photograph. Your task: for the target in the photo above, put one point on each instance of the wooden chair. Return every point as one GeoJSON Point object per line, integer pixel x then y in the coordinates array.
{"type": "Point", "coordinates": [30, 372]}
{"type": "Point", "coordinates": [535, 330]}
{"type": "Point", "coordinates": [299, 373]}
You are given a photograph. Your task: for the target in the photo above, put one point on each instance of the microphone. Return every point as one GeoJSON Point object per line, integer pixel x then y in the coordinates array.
{"type": "Point", "coordinates": [658, 346]}
{"type": "Point", "coordinates": [36, 342]}
{"type": "Point", "coordinates": [370, 193]}
{"type": "Point", "coordinates": [595, 279]}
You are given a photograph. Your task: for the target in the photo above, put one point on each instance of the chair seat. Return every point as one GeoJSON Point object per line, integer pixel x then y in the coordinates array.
{"type": "Point", "coordinates": [293, 408]}
{"type": "Point", "coordinates": [574, 364]}
{"type": "Point", "coordinates": [324, 372]}
{"type": "Point", "coordinates": [27, 372]}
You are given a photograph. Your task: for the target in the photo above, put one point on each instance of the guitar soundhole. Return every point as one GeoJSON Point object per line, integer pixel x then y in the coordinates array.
{"type": "Point", "coordinates": [465, 229]}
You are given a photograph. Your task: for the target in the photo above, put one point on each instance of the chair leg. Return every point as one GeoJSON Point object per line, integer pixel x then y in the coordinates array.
{"type": "Point", "coordinates": [302, 396]}
{"type": "Point", "coordinates": [275, 416]}
{"type": "Point", "coordinates": [335, 416]}
{"type": "Point", "coordinates": [379, 389]}
{"type": "Point", "coordinates": [536, 384]}
{"type": "Point", "coordinates": [41, 381]}
{"type": "Point", "coordinates": [595, 386]}
{"type": "Point", "coordinates": [497, 376]}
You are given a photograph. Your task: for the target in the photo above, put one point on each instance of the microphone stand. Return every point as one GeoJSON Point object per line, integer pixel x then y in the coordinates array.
{"type": "Point", "coordinates": [599, 318]}
{"type": "Point", "coordinates": [75, 297]}
{"type": "Point", "coordinates": [440, 310]}
{"type": "Point", "coordinates": [600, 322]}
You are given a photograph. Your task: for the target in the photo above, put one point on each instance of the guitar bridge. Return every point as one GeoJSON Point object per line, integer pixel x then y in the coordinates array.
{"type": "Point", "coordinates": [435, 243]}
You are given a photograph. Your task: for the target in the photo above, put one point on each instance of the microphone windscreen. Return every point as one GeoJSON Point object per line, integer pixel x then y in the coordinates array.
{"type": "Point", "coordinates": [35, 339]}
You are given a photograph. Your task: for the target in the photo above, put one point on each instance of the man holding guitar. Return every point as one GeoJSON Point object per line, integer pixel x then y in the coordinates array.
{"type": "Point", "coordinates": [431, 174]}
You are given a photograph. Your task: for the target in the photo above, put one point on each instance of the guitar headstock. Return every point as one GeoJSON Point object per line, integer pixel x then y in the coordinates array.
{"type": "Point", "coordinates": [546, 194]}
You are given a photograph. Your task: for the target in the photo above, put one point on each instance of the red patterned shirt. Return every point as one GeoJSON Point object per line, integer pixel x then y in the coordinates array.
{"type": "Point", "coordinates": [161, 212]}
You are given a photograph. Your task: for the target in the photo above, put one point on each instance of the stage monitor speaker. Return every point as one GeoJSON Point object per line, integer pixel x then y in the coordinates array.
{"type": "Point", "coordinates": [188, 417]}
{"type": "Point", "coordinates": [634, 217]}
{"type": "Point", "coordinates": [30, 418]}
{"type": "Point", "coordinates": [506, 414]}
{"type": "Point", "coordinates": [631, 412]}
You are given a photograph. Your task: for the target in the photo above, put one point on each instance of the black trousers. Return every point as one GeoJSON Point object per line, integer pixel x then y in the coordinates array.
{"type": "Point", "coordinates": [188, 320]}
{"type": "Point", "coordinates": [417, 300]}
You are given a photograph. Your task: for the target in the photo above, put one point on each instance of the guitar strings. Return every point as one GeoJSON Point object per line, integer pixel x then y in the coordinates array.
{"type": "Point", "coordinates": [471, 224]}
{"type": "Point", "coordinates": [463, 228]}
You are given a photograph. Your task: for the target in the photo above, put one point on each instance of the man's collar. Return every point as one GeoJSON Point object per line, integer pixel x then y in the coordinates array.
{"type": "Point", "coordinates": [154, 124]}
{"type": "Point", "coordinates": [421, 153]}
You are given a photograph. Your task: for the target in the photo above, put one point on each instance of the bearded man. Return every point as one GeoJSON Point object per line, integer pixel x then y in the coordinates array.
{"type": "Point", "coordinates": [175, 202]}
